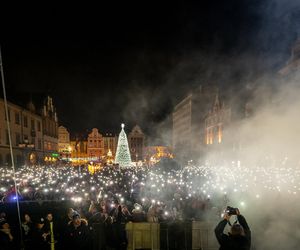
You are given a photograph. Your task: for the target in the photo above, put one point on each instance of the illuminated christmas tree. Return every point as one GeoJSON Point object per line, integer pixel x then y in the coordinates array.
{"type": "Point", "coordinates": [123, 157]}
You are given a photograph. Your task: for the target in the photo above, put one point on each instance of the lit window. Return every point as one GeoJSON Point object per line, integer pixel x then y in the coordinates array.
{"type": "Point", "coordinates": [220, 134]}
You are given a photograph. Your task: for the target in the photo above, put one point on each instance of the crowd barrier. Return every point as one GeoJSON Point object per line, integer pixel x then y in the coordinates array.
{"type": "Point", "coordinates": [143, 235]}
{"type": "Point", "coordinates": [193, 235]}
{"type": "Point", "coordinates": [203, 236]}
{"type": "Point", "coordinates": [36, 209]}
{"type": "Point", "coordinates": [196, 235]}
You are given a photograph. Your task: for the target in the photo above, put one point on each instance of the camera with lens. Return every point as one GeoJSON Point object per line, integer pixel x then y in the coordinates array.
{"type": "Point", "coordinates": [231, 210]}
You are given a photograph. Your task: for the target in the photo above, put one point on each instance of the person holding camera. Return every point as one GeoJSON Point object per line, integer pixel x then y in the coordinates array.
{"type": "Point", "coordinates": [239, 237]}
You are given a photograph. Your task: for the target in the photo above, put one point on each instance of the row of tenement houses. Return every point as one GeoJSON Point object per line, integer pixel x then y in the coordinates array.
{"type": "Point", "coordinates": [37, 138]}
{"type": "Point", "coordinates": [96, 145]}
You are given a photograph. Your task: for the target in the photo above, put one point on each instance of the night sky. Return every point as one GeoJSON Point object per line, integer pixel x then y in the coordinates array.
{"type": "Point", "coordinates": [131, 62]}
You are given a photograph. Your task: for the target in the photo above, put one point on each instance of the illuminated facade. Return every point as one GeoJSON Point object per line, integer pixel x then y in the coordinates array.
{"type": "Point", "coordinates": [136, 141]}
{"type": "Point", "coordinates": [29, 134]}
{"type": "Point", "coordinates": [50, 128]}
{"type": "Point", "coordinates": [64, 146]}
{"type": "Point", "coordinates": [188, 135]}
{"type": "Point", "coordinates": [95, 145]}
{"type": "Point", "coordinates": [110, 142]}
{"type": "Point", "coordinates": [216, 122]}
{"type": "Point", "coordinates": [79, 147]}
{"type": "Point", "coordinates": [154, 154]}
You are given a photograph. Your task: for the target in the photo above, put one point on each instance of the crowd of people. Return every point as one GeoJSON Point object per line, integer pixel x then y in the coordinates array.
{"type": "Point", "coordinates": [102, 227]}
{"type": "Point", "coordinates": [97, 228]}
{"type": "Point", "coordinates": [139, 189]}
{"type": "Point", "coordinates": [164, 193]}
{"type": "Point", "coordinates": [103, 201]}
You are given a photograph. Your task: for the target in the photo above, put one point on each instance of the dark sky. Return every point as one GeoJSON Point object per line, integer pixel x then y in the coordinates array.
{"type": "Point", "coordinates": [130, 62]}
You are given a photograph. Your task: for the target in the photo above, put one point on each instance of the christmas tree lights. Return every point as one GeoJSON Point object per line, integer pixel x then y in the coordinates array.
{"type": "Point", "coordinates": [123, 157]}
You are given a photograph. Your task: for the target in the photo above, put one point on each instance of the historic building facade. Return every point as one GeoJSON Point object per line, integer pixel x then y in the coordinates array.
{"type": "Point", "coordinates": [64, 146]}
{"type": "Point", "coordinates": [110, 142]}
{"type": "Point", "coordinates": [136, 141]}
{"type": "Point", "coordinates": [188, 135]}
{"type": "Point", "coordinates": [50, 129]}
{"type": "Point", "coordinates": [78, 146]}
{"type": "Point", "coordinates": [182, 122]}
{"type": "Point", "coordinates": [95, 145]}
{"type": "Point", "coordinates": [28, 134]}
{"type": "Point", "coordinates": [216, 122]}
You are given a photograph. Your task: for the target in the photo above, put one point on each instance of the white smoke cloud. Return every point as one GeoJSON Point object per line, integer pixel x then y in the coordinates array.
{"type": "Point", "coordinates": [268, 169]}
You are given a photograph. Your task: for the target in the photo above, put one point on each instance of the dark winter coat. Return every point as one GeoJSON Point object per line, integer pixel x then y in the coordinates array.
{"type": "Point", "coordinates": [78, 238]}
{"type": "Point", "coordinates": [234, 242]}
{"type": "Point", "coordinates": [5, 242]}
{"type": "Point", "coordinates": [27, 230]}
{"type": "Point", "coordinates": [38, 241]}
{"type": "Point", "coordinates": [97, 229]}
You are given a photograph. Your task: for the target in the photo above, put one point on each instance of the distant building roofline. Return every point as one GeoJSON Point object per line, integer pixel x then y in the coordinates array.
{"type": "Point", "coordinates": [182, 102]}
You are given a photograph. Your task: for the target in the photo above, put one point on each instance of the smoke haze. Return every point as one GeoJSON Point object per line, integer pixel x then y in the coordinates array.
{"type": "Point", "coordinates": [266, 167]}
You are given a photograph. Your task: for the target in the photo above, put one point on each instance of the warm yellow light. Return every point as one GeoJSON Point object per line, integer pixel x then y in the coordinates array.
{"type": "Point", "coordinates": [207, 137]}
{"type": "Point", "coordinates": [220, 134]}
{"type": "Point", "coordinates": [211, 137]}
